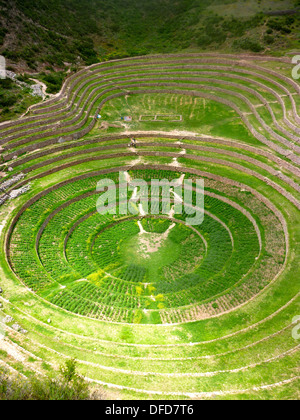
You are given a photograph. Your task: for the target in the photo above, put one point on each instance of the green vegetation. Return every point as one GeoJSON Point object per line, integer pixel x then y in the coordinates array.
{"type": "Point", "coordinates": [66, 33]}
{"type": "Point", "coordinates": [170, 276]}
{"type": "Point", "coordinates": [51, 40]}
{"type": "Point", "coordinates": [53, 80]}
{"type": "Point", "coordinates": [68, 386]}
{"type": "Point", "coordinates": [198, 115]}
{"type": "Point", "coordinates": [14, 100]}
{"type": "Point", "coordinates": [151, 307]}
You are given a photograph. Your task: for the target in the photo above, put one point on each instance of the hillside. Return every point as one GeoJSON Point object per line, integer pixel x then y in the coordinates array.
{"type": "Point", "coordinates": [55, 34]}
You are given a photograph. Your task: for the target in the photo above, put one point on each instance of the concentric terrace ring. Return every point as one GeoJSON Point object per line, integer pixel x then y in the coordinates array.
{"type": "Point", "coordinates": [210, 313]}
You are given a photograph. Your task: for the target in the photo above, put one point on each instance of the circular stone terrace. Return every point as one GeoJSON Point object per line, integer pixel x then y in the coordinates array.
{"type": "Point", "coordinates": [149, 305]}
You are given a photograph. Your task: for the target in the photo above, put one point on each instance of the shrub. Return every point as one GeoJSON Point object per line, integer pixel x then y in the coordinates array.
{"type": "Point", "coordinates": [6, 84]}
{"type": "Point", "coordinates": [68, 386]}
{"type": "Point", "coordinates": [53, 81]}
{"type": "Point", "coordinates": [3, 32]}
{"type": "Point", "coordinates": [248, 44]}
{"type": "Point", "coordinates": [268, 39]}
{"type": "Point", "coordinates": [280, 25]}
{"type": "Point", "coordinates": [6, 101]}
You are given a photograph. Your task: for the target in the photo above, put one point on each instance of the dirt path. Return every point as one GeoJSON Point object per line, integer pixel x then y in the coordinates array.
{"type": "Point", "coordinates": [42, 85]}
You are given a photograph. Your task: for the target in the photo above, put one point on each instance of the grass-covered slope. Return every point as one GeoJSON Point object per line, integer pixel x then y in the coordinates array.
{"type": "Point", "coordinates": [210, 313]}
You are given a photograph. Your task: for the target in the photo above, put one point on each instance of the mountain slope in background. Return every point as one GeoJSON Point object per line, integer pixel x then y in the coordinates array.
{"type": "Point", "coordinates": [58, 34]}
